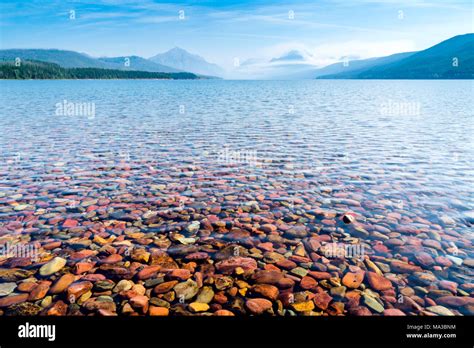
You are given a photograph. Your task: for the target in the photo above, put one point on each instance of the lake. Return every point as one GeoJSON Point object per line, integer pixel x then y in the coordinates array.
{"type": "Point", "coordinates": [324, 182]}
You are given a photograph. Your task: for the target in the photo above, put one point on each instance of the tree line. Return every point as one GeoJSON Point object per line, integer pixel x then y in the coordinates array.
{"type": "Point", "coordinates": [37, 70]}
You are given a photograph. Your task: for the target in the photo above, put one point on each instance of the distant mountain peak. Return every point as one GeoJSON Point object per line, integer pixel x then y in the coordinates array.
{"type": "Point", "coordinates": [180, 53]}
{"type": "Point", "coordinates": [178, 49]}
{"type": "Point", "coordinates": [293, 55]}
{"type": "Point", "coordinates": [181, 59]}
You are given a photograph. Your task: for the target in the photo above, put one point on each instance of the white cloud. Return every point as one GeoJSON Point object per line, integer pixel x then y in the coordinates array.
{"type": "Point", "coordinates": [325, 54]}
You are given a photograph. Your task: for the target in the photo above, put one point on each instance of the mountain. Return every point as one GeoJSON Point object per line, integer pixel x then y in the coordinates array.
{"type": "Point", "coordinates": [436, 62]}
{"type": "Point", "coordinates": [183, 60]}
{"type": "Point", "coordinates": [135, 63]}
{"type": "Point", "coordinates": [293, 64]}
{"type": "Point", "coordinates": [71, 59]}
{"type": "Point", "coordinates": [355, 65]}
{"type": "Point", "coordinates": [293, 55]}
{"type": "Point", "coordinates": [66, 59]}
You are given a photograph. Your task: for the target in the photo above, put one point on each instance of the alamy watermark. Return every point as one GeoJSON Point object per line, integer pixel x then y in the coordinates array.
{"type": "Point", "coordinates": [22, 250]}
{"type": "Point", "coordinates": [37, 331]}
{"type": "Point", "coordinates": [229, 156]}
{"type": "Point", "coordinates": [343, 250]}
{"type": "Point", "coordinates": [404, 108]}
{"type": "Point", "coordinates": [69, 108]}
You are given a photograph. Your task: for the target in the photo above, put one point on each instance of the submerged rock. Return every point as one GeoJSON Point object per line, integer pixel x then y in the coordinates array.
{"type": "Point", "coordinates": [52, 266]}
{"type": "Point", "coordinates": [7, 288]}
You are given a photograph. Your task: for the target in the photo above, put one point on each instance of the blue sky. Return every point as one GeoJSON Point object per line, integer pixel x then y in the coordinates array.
{"type": "Point", "coordinates": [223, 30]}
